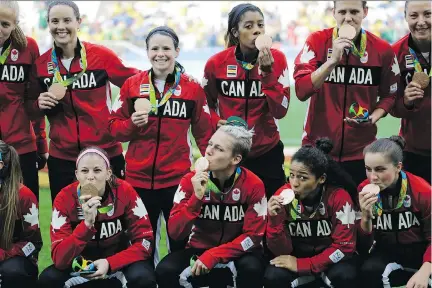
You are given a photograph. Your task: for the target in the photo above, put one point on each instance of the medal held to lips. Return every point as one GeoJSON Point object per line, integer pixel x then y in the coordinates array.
{"type": "Point", "coordinates": [263, 41]}
{"type": "Point", "coordinates": [201, 165]}
{"type": "Point", "coordinates": [89, 189]}
{"type": "Point", "coordinates": [371, 188]}
{"type": "Point", "coordinates": [347, 31]}
{"type": "Point", "coordinates": [287, 196]}
{"type": "Point", "coordinates": [358, 112]}
{"type": "Point", "coordinates": [142, 104]}
{"type": "Point", "coordinates": [422, 79]}
{"type": "Point", "coordinates": [58, 90]}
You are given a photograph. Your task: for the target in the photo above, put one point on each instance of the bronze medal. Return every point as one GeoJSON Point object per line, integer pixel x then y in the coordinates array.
{"type": "Point", "coordinates": [347, 31]}
{"type": "Point", "coordinates": [58, 90]}
{"type": "Point", "coordinates": [422, 79]}
{"type": "Point", "coordinates": [263, 41]}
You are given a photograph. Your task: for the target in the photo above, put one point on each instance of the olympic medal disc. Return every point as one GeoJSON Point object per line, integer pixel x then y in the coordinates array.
{"type": "Point", "coordinates": [263, 41]}
{"type": "Point", "coordinates": [347, 31]}
{"type": "Point", "coordinates": [202, 164]}
{"type": "Point", "coordinates": [58, 90]}
{"type": "Point", "coordinates": [287, 196]}
{"type": "Point", "coordinates": [371, 188]}
{"type": "Point", "coordinates": [422, 79]}
{"type": "Point", "coordinates": [142, 104]}
{"type": "Point", "coordinates": [89, 189]}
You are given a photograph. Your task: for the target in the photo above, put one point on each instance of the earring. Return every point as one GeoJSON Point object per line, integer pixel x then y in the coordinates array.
{"type": "Point", "coordinates": [78, 29]}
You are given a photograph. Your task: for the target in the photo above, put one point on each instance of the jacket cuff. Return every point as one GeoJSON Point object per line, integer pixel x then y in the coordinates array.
{"type": "Point", "coordinates": [303, 266]}
{"type": "Point", "coordinates": [83, 233]}
{"type": "Point", "coordinates": [268, 79]}
{"type": "Point", "coordinates": [194, 203]}
{"type": "Point", "coordinates": [111, 261]}
{"type": "Point", "coordinates": [208, 260]}
{"type": "Point", "coordinates": [427, 255]}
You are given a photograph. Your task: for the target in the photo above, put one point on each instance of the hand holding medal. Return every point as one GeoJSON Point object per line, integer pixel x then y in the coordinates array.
{"type": "Point", "coordinates": [367, 199]}
{"type": "Point", "coordinates": [201, 177]}
{"type": "Point", "coordinates": [90, 202]}
{"type": "Point", "coordinates": [265, 58]}
{"type": "Point", "coordinates": [357, 115]}
{"type": "Point", "coordinates": [142, 109]}
{"type": "Point", "coordinates": [81, 266]}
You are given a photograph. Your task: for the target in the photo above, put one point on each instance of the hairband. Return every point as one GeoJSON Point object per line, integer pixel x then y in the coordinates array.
{"type": "Point", "coordinates": [93, 151]}
{"type": "Point", "coordinates": [239, 12]}
{"type": "Point", "coordinates": [163, 29]}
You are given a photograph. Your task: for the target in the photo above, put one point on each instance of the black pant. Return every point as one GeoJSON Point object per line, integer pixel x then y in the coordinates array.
{"type": "Point", "coordinates": [418, 165]}
{"type": "Point", "coordinates": [62, 172]}
{"type": "Point", "coordinates": [250, 270]}
{"type": "Point", "coordinates": [340, 275]}
{"type": "Point", "coordinates": [29, 169]}
{"type": "Point", "coordinates": [18, 272]}
{"type": "Point", "coordinates": [374, 265]}
{"type": "Point", "coordinates": [269, 167]}
{"type": "Point", "coordinates": [356, 169]}
{"type": "Point", "coordinates": [138, 275]}
{"type": "Point", "coordinates": [157, 201]}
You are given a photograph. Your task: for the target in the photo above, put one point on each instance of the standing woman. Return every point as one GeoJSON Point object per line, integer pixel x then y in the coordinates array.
{"type": "Point", "coordinates": [413, 104]}
{"type": "Point", "coordinates": [77, 76]}
{"type": "Point", "coordinates": [18, 94]}
{"type": "Point", "coordinates": [254, 85]}
{"type": "Point", "coordinates": [315, 234]}
{"type": "Point", "coordinates": [160, 150]}
{"type": "Point", "coordinates": [20, 238]}
{"type": "Point", "coordinates": [397, 219]}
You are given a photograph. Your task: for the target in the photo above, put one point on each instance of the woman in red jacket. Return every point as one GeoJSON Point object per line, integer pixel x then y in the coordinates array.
{"type": "Point", "coordinates": [413, 104]}
{"type": "Point", "coordinates": [77, 76]}
{"type": "Point", "coordinates": [160, 150]}
{"type": "Point", "coordinates": [222, 211]}
{"type": "Point", "coordinates": [109, 227]}
{"type": "Point", "coordinates": [396, 219]}
{"type": "Point", "coordinates": [18, 93]}
{"type": "Point", "coordinates": [315, 234]}
{"type": "Point", "coordinates": [254, 85]}
{"type": "Point", "coordinates": [20, 238]}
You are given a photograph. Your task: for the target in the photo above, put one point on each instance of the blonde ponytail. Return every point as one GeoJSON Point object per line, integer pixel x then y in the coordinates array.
{"type": "Point", "coordinates": [18, 38]}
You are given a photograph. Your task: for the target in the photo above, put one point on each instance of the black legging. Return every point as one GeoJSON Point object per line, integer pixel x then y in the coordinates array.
{"type": "Point", "coordinates": [250, 270]}
{"type": "Point", "coordinates": [138, 275]}
{"type": "Point", "coordinates": [18, 272]}
{"type": "Point", "coordinates": [339, 275]}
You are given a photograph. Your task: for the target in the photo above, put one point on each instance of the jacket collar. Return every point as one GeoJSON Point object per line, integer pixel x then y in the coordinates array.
{"type": "Point", "coordinates": [77, 50]}
{"type": "Point", "coordinates": [170, 78]}
{"type": "Point", "coordinates": [228, 183]}
{"type": "Point", "coordinates": [239, 55]}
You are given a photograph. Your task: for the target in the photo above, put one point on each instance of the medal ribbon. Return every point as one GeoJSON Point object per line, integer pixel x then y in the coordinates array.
{"type": "Point", "coordinates": [212, 187]}
{"type": "Point", "coordinates": [102, 210]}
{"type": "Point", "coordinates": [378, 208]}
{"type": "Point", "coordinates": [363, 39]}
{"type": "Point", "coordinates": [5, 54]}
{"type": "Point", "coordinates": [57, 76]}
{"type": "Point", "coordinates": [246, 65]}
{"type": "Point", "coordinates": [168, 94]}
{"type": "Point", "coordinates": [417, 65]}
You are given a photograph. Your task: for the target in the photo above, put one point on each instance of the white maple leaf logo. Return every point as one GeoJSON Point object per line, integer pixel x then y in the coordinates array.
{"type": "Point", "coordinates": [140, 210]}
{"type": "Point", "coordinates": [204, 82]}
{"type": "Point", "coordinates": [114, 106]}
{"type": "Point", "coordinates": [347, 216]}
{"type": "Point", "coordinates": [57, 221]}
{"type": "Point", "coordinates": [179, 195]}
{"type": "Point", "coordinates": [284, 78]}
{"type": "Point", "coordinates": [395, 67]}
{"type": "Point", "coordinates": [261, 207]}
{"type": "Point", "coordinates": [307, 54]}
{"type": "Point", "coordinates": [206, 109]}
{"type": "Point", "coordinates": [33, 217]}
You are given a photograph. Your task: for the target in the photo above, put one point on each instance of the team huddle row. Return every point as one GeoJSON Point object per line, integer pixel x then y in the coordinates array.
{"type": "Point", "coordinates": [355, 211]}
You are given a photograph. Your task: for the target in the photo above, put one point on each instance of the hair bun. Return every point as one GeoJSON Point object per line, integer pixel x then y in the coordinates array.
{"type": "Point", "coordinates": [237, 121]}
{"type": "Point", "coordinates": [399, 140]}
{"type": "Point", "coordinates": [324, 144]}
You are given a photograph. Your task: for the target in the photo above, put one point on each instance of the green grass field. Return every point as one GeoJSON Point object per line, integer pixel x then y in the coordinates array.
{"type": "Point", "coordinates": [291, 128]}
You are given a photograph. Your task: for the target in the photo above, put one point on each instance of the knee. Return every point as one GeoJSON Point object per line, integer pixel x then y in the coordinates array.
{"type": "Point", "coordinates": [140, 275]}
{"type": "Point", "coordinates": [49, 276]}
{"type": "Point", "coordinates": [276, 277]}
{"type": "Point", "coordinates": [18, 268]}
{"type": "Point", "coordinates": [250, 265]}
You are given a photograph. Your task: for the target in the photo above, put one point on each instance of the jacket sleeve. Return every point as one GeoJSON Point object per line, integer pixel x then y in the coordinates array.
{"type": "Point", "coordinates": [201, 122]}
{"type": "Point", "coordinates": [253, 231]}
{"type": "Point", "coordinates": [364, 239]}
{"type": "Point", "coordinates": [187, 207]}
{"type": "Point", "coordinates": [117, 72]}
{"type": "Point", "coordinates": [210, 88]}
{"type": "Point", "coordinates": [30, 240]}
{"type": "Point", "coordinates": [120, 123]}
{"type": "Point", "coordinates": [278, 241]}
{"type": "Point", "coordinates": [390, 75]}
{"type": "Point", "coordinates": [39, 129]}
{"type": "Point", "coordinates": [343, 236]}
{"type": "Point", "coordinates": [304, 65]}
{"type": "Point", "coordinates": [425, 206]}
{"type": "Point", "coordinates": [139, 230]}
{"type": "Point", "coordinates": [276, 86]}
{"type": "Point", "coordinates": [66, 244]}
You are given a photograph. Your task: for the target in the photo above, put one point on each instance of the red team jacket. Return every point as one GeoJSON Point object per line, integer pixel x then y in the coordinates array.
{"type": "Point", "coordinates": [27, 240]}
{"type": "Point", "coordinates": [370, 81]}
{"type": "Point", "coordinates": [18, 94]}
{"type": "Point", "coordinates": [228, 227]}
{"type": "Point", "coordinates": [160, 153]}
{"type": "Point", "coordinates": [319, 241]}
{"type": "Point", "coordinates": [81, 118]}
{"type": "Point", "coordinates": [233, 91]}
{"type": "Point", "coordinates": [122, 236]}
{"type": "Point", "coordinates": [415, 122]}
{"type": "Point", "coordinates": [410, 224]}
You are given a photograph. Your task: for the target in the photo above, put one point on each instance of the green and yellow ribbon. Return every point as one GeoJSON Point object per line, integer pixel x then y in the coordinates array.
{"type": "Point", "coordinates": [102, 210]}
{"type": "Point", "coordinates": [417, 65]}
{"type": "Point", "coordinates": [246, 65]}
{"type": "Point", "coordinates": [211, 187]}
{"type": "Point", "coordinates": [354, 50]}
{"type": "Point", "coordinates": [5, 54]}
{"type": "Point", "coordinates": [154, 104]}
{"type": "Point", "coordinates": [378, 208]}
{"type": "Point", "coordinates": [57, 76]}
